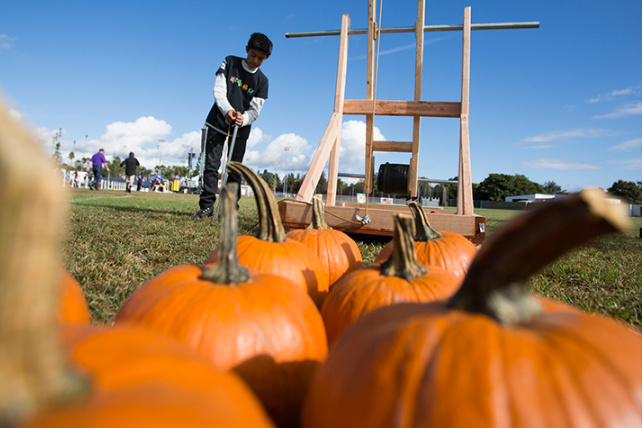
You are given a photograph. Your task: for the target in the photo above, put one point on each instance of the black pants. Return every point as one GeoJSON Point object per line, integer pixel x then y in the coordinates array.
{"type": "Point", "coordinates": [97, 170]}
{"type": "Point", "coordinates": [213, 153]}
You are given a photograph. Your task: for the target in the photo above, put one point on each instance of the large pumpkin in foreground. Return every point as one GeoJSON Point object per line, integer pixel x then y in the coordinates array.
{"type": "Point", "coordinates": [141, 378]}
{"type": "Point", "coordinates": [73, 306]}
{"type": "Point", "coordinates": [271, 251]}
{"type": "Point", "coordinates": [262, 326]}
{"type": "Point", "coordinates": [151, 382]}
{"type": "Point", "coordinates": [493, 356]}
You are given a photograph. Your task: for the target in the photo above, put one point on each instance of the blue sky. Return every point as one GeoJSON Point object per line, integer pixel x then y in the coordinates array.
{"type": "Point", "coordinates": [559, 103]}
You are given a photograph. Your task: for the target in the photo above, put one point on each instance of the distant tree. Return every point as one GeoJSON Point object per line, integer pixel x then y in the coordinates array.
{"type": "Point", "coordinates": [296, 184]}
{"type": "Point", "coordinates": [627, 190]}
{"type": "Point", "coordinates": [115, 170]}
{"type": "Point", "coordinates": [552, 188]}
{"type": "Point", "coordinates": [71, 157]}
{"type": "Point", "coordinates": [524, 186]}
{"type": "Point", "coordinates": [56, 157]}
{"type": "Point", "coordinates": [145, 171]}
{"type": "Point", "coordinates": [322, 185]}
{"type": "Point", "coordinates": [270, 178]}
{"type": "Point", "coordinates": [360, 187]}
{"type": "Point", "coordinates": [497, 186]}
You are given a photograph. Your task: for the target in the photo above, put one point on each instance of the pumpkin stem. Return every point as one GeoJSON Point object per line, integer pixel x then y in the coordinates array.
{"type": "Point", "coordinates": [227, 269]}
{"type": "Point", "coordinates": [497, 280]}
{"type": "Point", "coordinates": [318, 213]}
{"type": "Point", "coordinates": [403, 261]}
{"type": "Point", "coordinates": [423, 229]}
{"type": "Point", "coordinates": [270, 226]}
{"type": "Point", "coordinates": [33, 365]}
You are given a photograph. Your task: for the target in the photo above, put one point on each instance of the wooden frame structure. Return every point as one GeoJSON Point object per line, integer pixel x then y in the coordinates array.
{"type": "Point", "coordinates": [464, 221]}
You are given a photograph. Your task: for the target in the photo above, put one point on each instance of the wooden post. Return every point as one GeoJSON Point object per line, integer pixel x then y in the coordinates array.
{"type": "Point", "coordinates": [339, 96]}
{"type": "Point", "coordinates": [465, 188]}
{"type": "Point", "coordinates": [416, 121]}
{"type": "Point", "coordinates": [329, 145]}
{"type": "Point", "coordinates": [370, 77]}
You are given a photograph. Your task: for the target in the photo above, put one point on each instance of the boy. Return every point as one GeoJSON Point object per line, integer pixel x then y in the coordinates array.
{"type": "Point", "coordinates": [130, 165]}
{"type": "Point", "coordinates": [239, 92]}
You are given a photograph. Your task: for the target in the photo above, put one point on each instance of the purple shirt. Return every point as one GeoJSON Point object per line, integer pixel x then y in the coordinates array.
{"type": "Point", "coordinates": [98, 159]}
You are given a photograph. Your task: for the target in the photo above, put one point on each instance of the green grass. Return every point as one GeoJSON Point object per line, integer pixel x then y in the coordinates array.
{"type": "Point", "coordinates": [115, 241]}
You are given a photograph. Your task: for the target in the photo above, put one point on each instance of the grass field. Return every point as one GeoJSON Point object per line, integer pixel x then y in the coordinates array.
{"type": "Point", "coordinates": [115, 241]}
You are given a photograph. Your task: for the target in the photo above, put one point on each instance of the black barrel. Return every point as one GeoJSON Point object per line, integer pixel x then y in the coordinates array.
{"type": "Point", "coordinates": [393, 178]}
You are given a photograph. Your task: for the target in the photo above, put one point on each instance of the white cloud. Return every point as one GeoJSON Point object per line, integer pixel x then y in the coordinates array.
{"type": "Point", "coordinates": [541, 146]}
{"type": "Point", "coordinates": [287, 152]}
{"type": "Point", "coordinates": [178, 148]}
{"type": "Point", "coordinates": [46, 136]}
{"type": "Point", "coordinates": [144, 130]}
{"type": "Point", "coordinates": [15, 115]}
{"type": "Point", "coordinates": [628, 145]}
{"type": "Point", "coordinates": [293, 153]}
{"type": "Point", "coordinates": [146, 137]}
{"type": "Point", "coordinates": [610, 96]}
{"type": "Point", "coordinates": [555, 163]}
{"type": "Point", "coordinates": [256, 137]}
{"type": "Point", "coordinates": [572, 133]}
{"type": "Point", "coordinates": [352, 151]}
{"type": "Point", "coordinates": [6, 42]}
{"type": "Point", "coordinates": [634, 109]}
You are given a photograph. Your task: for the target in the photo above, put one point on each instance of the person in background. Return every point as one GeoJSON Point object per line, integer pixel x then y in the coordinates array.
{"type": "Point", "coordinates": [130, 165]}
{"type": "Point", "coordinates": [97, 162]}
{"type": "Point", "coordinates": [240, 90]}
{"type": "Point", "coordinates": [139, 186]}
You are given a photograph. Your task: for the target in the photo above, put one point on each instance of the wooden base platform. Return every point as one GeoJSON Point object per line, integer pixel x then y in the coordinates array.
{"type": "Point", "coordinates": [298, 215]}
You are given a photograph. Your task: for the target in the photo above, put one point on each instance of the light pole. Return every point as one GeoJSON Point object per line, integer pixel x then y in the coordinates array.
{"type": "Point", "coordinates": [160, 140]}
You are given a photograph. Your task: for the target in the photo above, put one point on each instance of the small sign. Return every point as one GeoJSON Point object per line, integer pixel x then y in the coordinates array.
{"type": "Point", "coordinates": [361, 198]}
{"type": "Point", "coordinates": [386, 201]}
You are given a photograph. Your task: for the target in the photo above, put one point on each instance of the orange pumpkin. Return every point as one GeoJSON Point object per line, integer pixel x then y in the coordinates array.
{"type": "Point", "coordinates": [338, 252]}
{"type": "Point", "coordinates": [73, 308]}
{"type": "Point", "coordinates": [493, 355]}
{"type": "Point", "coordinates": [270, 251]}
{"type": "Point", "coordinates": [146, 379]}
{"type": "Point", "coordinates": [38, 386]}
{"type": "Point", "coordinates": [448, 250]}
{"type": "Point", "coordinates": [263, 326]}
{"type": "Point", "coordinates": [400, 279]}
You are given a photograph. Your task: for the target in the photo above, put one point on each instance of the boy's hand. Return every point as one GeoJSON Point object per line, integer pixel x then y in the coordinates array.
{"type": "Point", "coordinates": [233, 116]}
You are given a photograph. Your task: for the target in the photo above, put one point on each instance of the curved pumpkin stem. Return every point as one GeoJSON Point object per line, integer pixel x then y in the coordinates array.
{"type": "Point", "coordinates": [403, 260]}
{"type": "Point", "coordinates": [270, 226]}
{"type": "Point", "coordinates": [33, 365]}
{"type": "Point", "coordinates": [227, 269]}
{"type": "Point", "coordinates": [318, 213]}
{"type": "Point", "coordinates": [497, 280]}
{"type": "Point", "coordinates": [424, 231]}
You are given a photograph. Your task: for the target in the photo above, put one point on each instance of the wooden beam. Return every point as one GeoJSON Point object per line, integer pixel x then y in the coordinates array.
{"type": "Point", "coordinates": [298, 215]}
{"type": "Point", "coordinates": [339, 96]}
{"type": "Point", "coordinates": [403, 108]}
{"type": "Point", "coordinates": [465, 186]}
{"type": "Point", "coordinates": [391, 146]}
{"type": "Point", "coordinates": [320, 158]}
{"type": "Point", "coordinates": [416, 122]}
{"type": "Point", "coordinates": [370, 87]}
